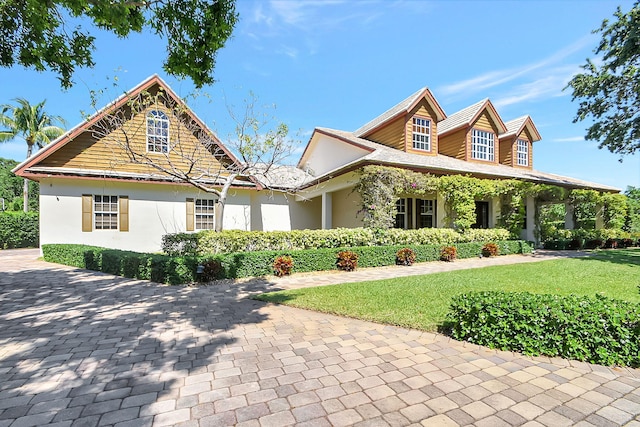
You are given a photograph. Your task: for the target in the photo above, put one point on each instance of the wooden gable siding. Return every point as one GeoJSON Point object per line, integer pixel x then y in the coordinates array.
{"type": "Point", "coordinates": [392, 135]}
{"type": "Point", "coordinates": [423, 110]}
{"type": "Point", "coordinates": [484, 122]}
{"type": "Point", "coordinates": [524, 135]}
{"type": "Point", "coordinates": [507, 151]}
{"type": "Point", "coordinates": [454, 144]}
{"type": "Point", "coordinates": [88, 152]}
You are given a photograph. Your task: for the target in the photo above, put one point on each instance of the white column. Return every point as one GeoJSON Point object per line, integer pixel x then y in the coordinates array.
{"type": "Point", "coordinates": [528, 233]}
{"type": "Point", "coordinates": [599, 217]}
{"type": "Point", "coordinates": [569, 224]}
{"type": "Point", "coordinates": [440, 212]}
{"type": "Point", "coordinates": [327, 207]}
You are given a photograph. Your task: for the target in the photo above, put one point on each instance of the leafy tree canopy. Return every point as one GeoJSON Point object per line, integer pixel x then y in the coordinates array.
{"type": "Point", "coordinates": [609, 88]}
{"type": "Point", "coordinates": [11, 187]}
{"type": "Point", "coordinates": [46, 35]}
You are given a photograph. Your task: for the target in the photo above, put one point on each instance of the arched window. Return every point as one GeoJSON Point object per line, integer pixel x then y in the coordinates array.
{"type": "Point", "coordinates": [157, 132]}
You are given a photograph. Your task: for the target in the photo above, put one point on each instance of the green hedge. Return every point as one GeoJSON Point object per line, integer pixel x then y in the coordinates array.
{"type": "Point", "coordinates": [597, 330]}
{"type": "Point", "coordinates": [182, 269]}
{"type": "Point", "coordinates": [228, 241]}
{"type": "Point", "coordinates": [19, 230]}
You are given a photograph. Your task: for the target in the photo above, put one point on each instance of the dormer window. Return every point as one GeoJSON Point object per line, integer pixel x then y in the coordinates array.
{"type": "Point", "coordinates": [482, 145]}
{"type": "Point", "coordinates": [522, 152]}
{"type": "Point", "coordinates": [157, 132]}
{"type": "Point", "coordinates": [421, 134]}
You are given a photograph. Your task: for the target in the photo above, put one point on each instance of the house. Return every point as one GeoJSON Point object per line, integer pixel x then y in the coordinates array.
{"type": "Point", "coordinates": [417, 135]}
{"type": "Point", "coordinates": [92, 193]}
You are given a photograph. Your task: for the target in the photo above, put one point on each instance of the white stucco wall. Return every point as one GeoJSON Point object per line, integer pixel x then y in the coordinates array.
{"type": "Point", "coordinates": [272, 211]}
{"type": "Point", "coordinates": [329, 154]}
{"type": "Point", "coordinates": [154, 210]}
{"type": "Point", "coordinates": [346, 204]}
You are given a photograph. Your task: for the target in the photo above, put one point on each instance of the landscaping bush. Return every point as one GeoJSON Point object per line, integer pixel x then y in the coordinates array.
{"type": "Point", "coordinates": [594, 244]}
{"type": "Point", "coordinates": [283, 265]}
{"type": "Point", "coordinates": [597, 330]}
{"type": "Point", "coordinates": [448, 253]}
{"type": "Point", "coordinates": [229, 241]}
{"type": "Point", "coordinates": [347, 260]}
{"type": "Point", "coordinates": [405, 256]}
{"type": "Point", "coordinates": [490, 249]}
{"type": "Point", "coordinates": [212, 269]}
{"type": "Point", "coordinates": [19, 230]}
{"type": "Point", "coordinates": [183, 269]}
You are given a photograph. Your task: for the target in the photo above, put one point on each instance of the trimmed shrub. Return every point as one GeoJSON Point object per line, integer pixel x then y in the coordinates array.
{"type": "Point", "coordinates": [405, 256]}
{"type": "Point", "coordinates": [283, 265]}
{"type": "Point", "coordinates": [597, 330]}
{"type": "Point", "coordinates": [211, 270]}
{"type": "Point", "coordinates": [19, 230]}
{"type": "Point", "coordinates": [611, 243]}
{"type": "Point", "coordinates": [347, 260]}
{"type": "Point", "coordinates": [229, 241]}
{"type": "Point", "coordinates": [594, 244]}
{"type": "Point", "coordinates": [178, 270]}
{"type": "Point", "coordinates": [448, 253]}
{"type": "Point", "coordinates": [490, 249]}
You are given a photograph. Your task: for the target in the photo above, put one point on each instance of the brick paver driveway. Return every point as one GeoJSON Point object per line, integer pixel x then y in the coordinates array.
{"type": "Point", "coordinates": [83, 348]}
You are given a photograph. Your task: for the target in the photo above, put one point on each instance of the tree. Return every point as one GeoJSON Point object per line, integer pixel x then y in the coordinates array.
{"type": "Point", "coordinates": [11, 188]}
{"type": "Point", "coordinates": [49, 34]}
{"type": "Point", "coordinates": [609, 91]}
{"type": "Point", "coordinates": [632, 222]}
{"type": "Point", "coordinates": [186, 151]}
{"type": "Point", "coordinates": [33, 124]}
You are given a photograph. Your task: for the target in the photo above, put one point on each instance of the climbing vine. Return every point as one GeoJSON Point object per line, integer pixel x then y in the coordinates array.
{"type": "Point", "coordinates": [380, 187]}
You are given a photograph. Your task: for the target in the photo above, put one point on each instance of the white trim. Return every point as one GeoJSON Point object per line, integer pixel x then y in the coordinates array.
{"type": "Point", "coordinates": [157, 132]}
{"type": "Point", "coordinates": [522, 152]}
{"type": "Point", "coordinates": [421, 133]}
{"type": "Point", "coordinates": [112, 211]}
{"type": "Point", "coordinates": [482, 145]}
{"type": "Point", "coordinates": [205, 219]}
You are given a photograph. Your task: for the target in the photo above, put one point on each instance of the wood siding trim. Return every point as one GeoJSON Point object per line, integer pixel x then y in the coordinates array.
{"type": "Point", "coordinates": [123, 207]}
{"type": "Point", "coordinates": [121, 102]}
{"type": "Point", "coordinates": [87, 212]}
{"type": "Point", "coordinates": [190, 214]}
{"type": "Point", "coordinates": [422, 110]}
{"type": "Point", "coordinates": [392, 134]}
{"type": "Point", "coordinates": [454, 144]}
{"type": "Point", "coordinates": [523, 136]}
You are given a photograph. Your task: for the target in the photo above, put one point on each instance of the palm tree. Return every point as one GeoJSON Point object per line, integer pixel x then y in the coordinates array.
{"type": "Point", "coordinates": [33, 124]}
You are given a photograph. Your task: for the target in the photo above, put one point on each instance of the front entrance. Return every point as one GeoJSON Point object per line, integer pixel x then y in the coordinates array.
{"type": "Point", "coordinates": [482, 215]}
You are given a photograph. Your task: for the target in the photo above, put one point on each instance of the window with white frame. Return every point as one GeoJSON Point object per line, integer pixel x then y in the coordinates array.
{"type": "Point", "coordinates": [401, 213]}
{"type": "Point", "coordinates": [205, 214]}
{"type": "Point", "coordinates": [421, 134]}
{"type": "Point", "coordinates": [426, 213]}
{"type": "Point", "coordinates": [482, 147]}
{"type": "Point", "coordinates": [522, 152]}
{"type": "Point", "coordinates": [105, 212]}
{"type": "Point", "coordinates": [157, 132]}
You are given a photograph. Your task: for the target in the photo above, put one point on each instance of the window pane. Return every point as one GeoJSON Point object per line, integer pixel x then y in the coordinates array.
{"type": "Point", "coordinates": [421, 134]}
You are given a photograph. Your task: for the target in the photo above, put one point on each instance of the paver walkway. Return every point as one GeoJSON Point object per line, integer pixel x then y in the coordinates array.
{"type": "Point", "coordinates": [79, 348]}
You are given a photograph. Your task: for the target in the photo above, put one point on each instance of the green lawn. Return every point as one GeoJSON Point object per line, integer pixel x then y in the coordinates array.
{"type": "Point", "coordinates": [421, 302]}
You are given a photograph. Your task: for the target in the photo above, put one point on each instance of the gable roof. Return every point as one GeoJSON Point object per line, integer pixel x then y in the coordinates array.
{"type": "Point", "coordinates": [402, 107]}
{"type": "Point", "coordinates": [121, 101]}
{"type": "Point", "coordinates": [516, 126]}
{"type": "Point", "coordinates": [470, 114]}
{"type": "Point", "coordinates": [441, 164]}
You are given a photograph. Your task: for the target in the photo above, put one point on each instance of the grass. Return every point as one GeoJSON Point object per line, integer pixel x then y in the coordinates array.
{"type": "Point", "coordinates": [421, 302]}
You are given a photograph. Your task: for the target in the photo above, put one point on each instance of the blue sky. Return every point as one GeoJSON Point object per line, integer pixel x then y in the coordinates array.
{"type": "Point", "coordinates": [339, 64]}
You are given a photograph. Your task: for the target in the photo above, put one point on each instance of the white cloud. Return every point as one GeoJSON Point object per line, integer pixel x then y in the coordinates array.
{"type": "Point", "coordinates": [545, 87]}
{"type": "Point", "coordinates": [570, 139]}
{"type": "Point", "coordinates": [498, 77]}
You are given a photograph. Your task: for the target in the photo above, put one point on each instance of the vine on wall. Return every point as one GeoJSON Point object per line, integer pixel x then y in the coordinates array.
{"type": "Point", "coordinates": [381, 186]}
